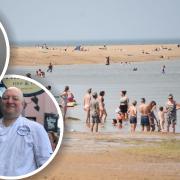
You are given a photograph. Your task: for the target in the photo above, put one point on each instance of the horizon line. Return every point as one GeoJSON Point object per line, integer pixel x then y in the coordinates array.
{"type": "Point", "coordinates": [97, 41]}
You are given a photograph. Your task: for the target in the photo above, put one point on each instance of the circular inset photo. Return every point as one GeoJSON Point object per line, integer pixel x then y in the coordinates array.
{"type": "Point", "coordinates": [31, 127]}
{"type": "Point", "coordinates": [4, 51]}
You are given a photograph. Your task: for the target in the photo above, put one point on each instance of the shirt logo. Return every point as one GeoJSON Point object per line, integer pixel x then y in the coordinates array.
{"type": "Point", "coordinates": [23, 130]}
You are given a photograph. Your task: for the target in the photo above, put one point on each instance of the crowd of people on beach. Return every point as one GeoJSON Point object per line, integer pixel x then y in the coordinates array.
{"type": "Point", "coordinates": [40, 72]}
{"type": "Point", "coordinates": [152, 116]}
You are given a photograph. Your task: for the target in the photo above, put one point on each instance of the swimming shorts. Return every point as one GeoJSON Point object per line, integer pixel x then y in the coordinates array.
{"type": "Point", "coordinates": [133, 120]}
{"type": "Point", "coordinates": [123, 108]}
{"type": "Point", "coordinates": [144, 120]}
{"type": "Point", "coordinates": [95, 119]}
{"type": "Point", "coordinates": [171, 121]}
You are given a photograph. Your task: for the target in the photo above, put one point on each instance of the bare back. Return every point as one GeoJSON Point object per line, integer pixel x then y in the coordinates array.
{"type": "Point", "coordinates": [144, 109]}
{"type": "Point", "coordinates": [87, 101]}
{"type": "Point", "coordinates": [132, 111]}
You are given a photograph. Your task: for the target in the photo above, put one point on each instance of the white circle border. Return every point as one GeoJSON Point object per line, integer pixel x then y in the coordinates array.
{"type": "Point", "coordinates": [7, 51]}
{"type": "Point", "coordinates": [61, 126]}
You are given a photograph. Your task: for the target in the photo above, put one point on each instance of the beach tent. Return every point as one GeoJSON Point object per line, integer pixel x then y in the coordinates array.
{"type": "Point", "coordinates": [77, 48]}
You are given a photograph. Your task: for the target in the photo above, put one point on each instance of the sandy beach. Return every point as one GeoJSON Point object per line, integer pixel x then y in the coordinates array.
{"type": "Point", "coordinates": [107, 155]}
{"type": "Point", "coordinates": [92, 54]}
{"type": "Point", "coordinates": [115, 156]}
{"type": "Point", "coordinates": [141, 41]}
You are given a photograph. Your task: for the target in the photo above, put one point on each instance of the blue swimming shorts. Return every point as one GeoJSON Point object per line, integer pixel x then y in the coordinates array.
{"type": "Point", "coordinates": [144, 120]}
{"type": "Point", "coordinates": [95, 119]}
{"type": "Point", "coordinates": [133, 120]}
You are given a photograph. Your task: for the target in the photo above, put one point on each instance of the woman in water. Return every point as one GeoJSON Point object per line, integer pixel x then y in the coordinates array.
{"type": "Point", "coordinates": [171, 116]}
{"type": "Point", "coordinates": [102, 110]}
{"type": "Point", "coordinates": [64, 96]}
{"type": "Point", "coordinates": [124, 104]}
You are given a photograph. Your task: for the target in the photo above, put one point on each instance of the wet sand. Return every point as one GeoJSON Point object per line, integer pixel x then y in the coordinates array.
{"type": "Point", "coordinates": [115, 156]}
{"type": "Point", "coordinates": [29, 56]}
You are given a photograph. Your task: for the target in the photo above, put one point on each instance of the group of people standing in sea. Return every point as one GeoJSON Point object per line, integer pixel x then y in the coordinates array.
{"type": "Point", "coordinates": [152, 116]}
{"type": "Point", "coordinates": [40, 72]}
{"type": "Point", "coordinates": [94, 107]}
{"type": "Point", "coordinates": [96, 113]}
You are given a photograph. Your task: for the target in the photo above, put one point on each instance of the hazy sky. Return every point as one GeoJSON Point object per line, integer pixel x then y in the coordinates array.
{"type": "Point", "coordinates": [56, 20]}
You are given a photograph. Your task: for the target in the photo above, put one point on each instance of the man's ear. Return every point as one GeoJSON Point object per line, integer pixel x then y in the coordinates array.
{"type": "Point", "coordinates": [24, 104]}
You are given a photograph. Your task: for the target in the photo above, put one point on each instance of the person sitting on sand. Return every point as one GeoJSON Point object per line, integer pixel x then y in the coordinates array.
{"type": "Point", "coordinates": [132, 111]}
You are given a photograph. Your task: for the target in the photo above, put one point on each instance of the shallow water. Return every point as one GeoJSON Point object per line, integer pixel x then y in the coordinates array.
{"type": "Point", "coordinates": [147, 82]}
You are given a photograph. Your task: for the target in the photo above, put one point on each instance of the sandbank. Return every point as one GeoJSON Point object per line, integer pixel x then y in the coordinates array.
{"type": "Point", "coordinates": [34, 56]}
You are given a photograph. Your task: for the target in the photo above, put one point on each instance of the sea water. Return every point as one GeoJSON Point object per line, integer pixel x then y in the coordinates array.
{"type": "Point", "coordinates": [148, 81]}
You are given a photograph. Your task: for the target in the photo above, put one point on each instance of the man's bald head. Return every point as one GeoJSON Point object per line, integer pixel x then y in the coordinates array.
{"type": "Point", "coordinates": [15, 90]}
{"type": "Point", "coordinates": [12, 103]}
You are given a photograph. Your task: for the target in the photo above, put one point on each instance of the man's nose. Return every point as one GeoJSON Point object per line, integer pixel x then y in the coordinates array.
{"type": "Point", "coordinates": [10, 100]}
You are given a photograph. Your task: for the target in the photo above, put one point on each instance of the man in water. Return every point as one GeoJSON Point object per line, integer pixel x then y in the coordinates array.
{"type": "Point", "coordinates": [132, 111]}
{"type": "Point", "coordinates": [144, 110]}
{"type": "Point", "coordinates": [25, 145]}
{"type": "Point", "coordinates": [94, 105]}
{"type": "Point", "coordinates": [50, 67]}
{"type": "Point", "coordinates": [163, 69]}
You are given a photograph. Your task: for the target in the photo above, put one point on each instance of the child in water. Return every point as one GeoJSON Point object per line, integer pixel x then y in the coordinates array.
{"type": "Point", "coordinates": [118, 120]}
{"type": "Point", "coordinates": [161, 117]}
